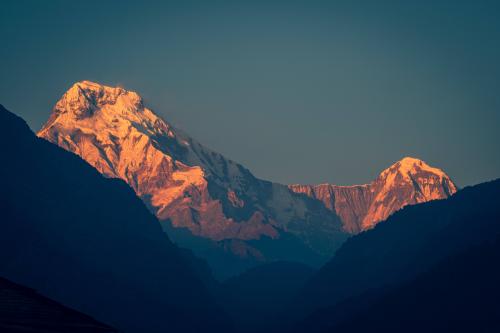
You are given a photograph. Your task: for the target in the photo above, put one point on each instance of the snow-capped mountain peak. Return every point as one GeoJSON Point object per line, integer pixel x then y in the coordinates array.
{"type": "Point", "coordinates": [89, 105]}
{"type": "Point", "coordinates": [410, 166]}
{"type": "Point", "coordinates": [184, 183]}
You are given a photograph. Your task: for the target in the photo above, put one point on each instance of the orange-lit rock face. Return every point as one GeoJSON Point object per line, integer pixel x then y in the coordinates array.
{"type": "Point", "coordinates": [406, 182]}
{"type": "Point", "coordinates": [179, 179]}
{"type": "Point", "coordinates": [233, 198]}
{"type": "Point", "coordinates": [349, 202]}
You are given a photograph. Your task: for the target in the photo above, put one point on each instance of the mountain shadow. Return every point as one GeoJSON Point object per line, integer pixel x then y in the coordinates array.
{"type": "Point", "coordinates": [413, 241]}
{"type": "Point", "coordinates": [459, 294]}
{"type": "Point", "coordinates": [90, 243]}
{"type": "Point", "coordinates": [256, 298]}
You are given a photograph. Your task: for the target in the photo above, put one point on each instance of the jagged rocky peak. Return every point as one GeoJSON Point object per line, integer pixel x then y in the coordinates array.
{"type": "Point", "coordinates": [92, 104]}
{"type": "Point", "coordinates": [409, 167]}
{"type": "Point", "coordinates": [84, 97]}
{"type": "Point", "coordinates": [101, 95]}
{"type": "Point", "coordinates": [408, 181]}
{"type": "Point", "coordinates": [111, 129]}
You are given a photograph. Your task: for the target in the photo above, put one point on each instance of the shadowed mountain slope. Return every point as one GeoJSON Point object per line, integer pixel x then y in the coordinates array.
{"type": "Point", "coordinates": [459, 294]}
{"type": "Point", "coordinates": [24, 310]}
{"type": "Point", "coordinates": [90, 243]}
{"type": "Point", "coordinates": [256, 298]}
{"type": "Point", "coordinates": [410, 242]}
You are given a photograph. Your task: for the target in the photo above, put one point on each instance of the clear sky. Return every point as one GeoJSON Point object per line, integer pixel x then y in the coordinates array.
{"type": "Point", "coordinates": [298, 92]}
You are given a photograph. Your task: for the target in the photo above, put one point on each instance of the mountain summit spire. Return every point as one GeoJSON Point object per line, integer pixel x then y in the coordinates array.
{"type": "Point", "coordinates": [408, 166]}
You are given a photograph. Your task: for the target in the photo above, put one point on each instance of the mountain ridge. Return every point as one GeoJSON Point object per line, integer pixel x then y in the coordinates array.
{"type": "Point", "coordinates": [361, 207]}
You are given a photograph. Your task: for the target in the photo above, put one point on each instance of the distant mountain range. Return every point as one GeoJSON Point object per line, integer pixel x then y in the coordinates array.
{"type": "Point", "coordinates": [220, 203]}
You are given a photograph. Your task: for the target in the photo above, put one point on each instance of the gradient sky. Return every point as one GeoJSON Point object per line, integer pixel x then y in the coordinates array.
{"type": "Point", "coordinates": [298, 92]}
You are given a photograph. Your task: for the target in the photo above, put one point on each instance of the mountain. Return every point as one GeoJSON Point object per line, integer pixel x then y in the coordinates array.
{"type": "Point", "coordinates": [186, 185]}
{"type": "Point", "coordinates": [459, 294]}
{"type": "Point", "coordinates": [24, 310]}
{"type": "Point", "coordinates": [406, 182]}
{"type": "Point", "coordinates": [256, 298]}
{"type": "Point", "coordinates": [411, 242]}
{"type": "Point", "coordinates": [88, 242]}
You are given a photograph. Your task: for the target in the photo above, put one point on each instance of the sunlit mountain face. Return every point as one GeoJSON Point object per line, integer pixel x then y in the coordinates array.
{"type": "Point", "coordinates": [187, 185]}
{"type": "Point", "coordinates": [361, 207]}
{"type": "Point", "coordinates": [194, 190]}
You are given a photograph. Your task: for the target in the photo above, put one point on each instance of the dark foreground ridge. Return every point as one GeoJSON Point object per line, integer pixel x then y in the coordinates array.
{"type": "Point", "coordinates": [429, 267]}
{"type": "Point", "coordinates": [90, 243]}
{"type": "Point", "coordinates": [24, 310]}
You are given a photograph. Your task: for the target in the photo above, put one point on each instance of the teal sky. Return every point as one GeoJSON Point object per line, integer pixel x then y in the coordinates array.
{"type": "Point", "coordinates": [298, 92]}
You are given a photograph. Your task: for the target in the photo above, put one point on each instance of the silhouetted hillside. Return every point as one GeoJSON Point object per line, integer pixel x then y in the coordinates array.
{"type": "Point", "coordinates": [411, 242]}
{"type": "Point", "coordinates": [90, 243]}
{"type": "Point", "coordinates": [256, 298]}
{"type": "Point", "coordinates": [24, 310]}
{"type": "Point", "coordinates": [460, 294]}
